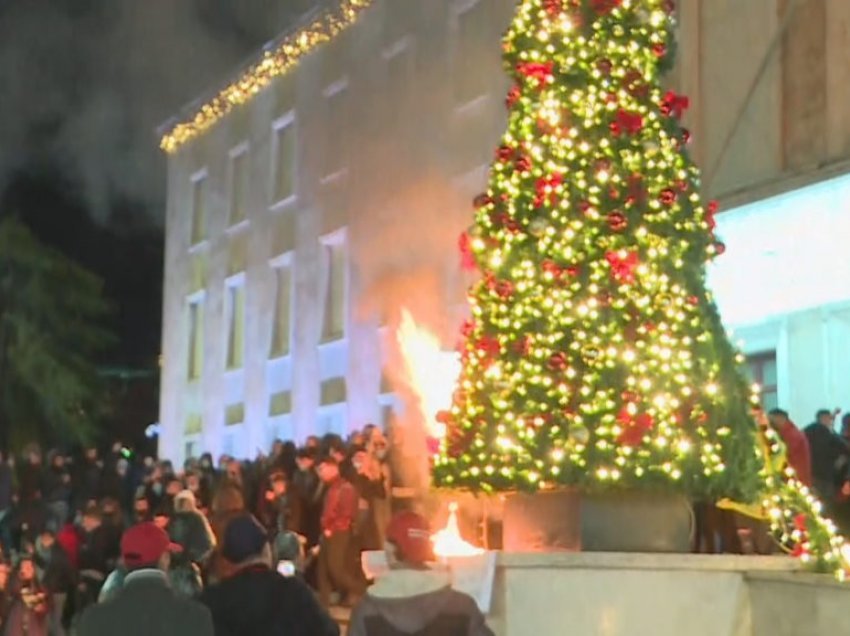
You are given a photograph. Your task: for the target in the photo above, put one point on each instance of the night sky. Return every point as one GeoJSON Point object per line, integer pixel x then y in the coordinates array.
{"type": "Point", "coordinates": [83, 86]}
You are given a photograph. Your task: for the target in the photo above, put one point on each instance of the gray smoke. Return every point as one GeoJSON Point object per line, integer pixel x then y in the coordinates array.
{"type": "Point", "coordinates": [84, 83]}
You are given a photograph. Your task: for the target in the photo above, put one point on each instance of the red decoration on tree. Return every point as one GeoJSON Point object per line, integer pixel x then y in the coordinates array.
{"type": "Point", "coordinates": [617, 221]}
{"type": "Point", "coordinates": [634, 427]}
{"type": "Point", "coordinates": [505, 153]}
{"type": "Point", "coordinates": [523, 345]}
{"type": "Point", "coordinates": [623, 265]}
{"type": "Point", "coordinates": [553, 7]}
{"type": "Point", "coordinates": [489, 346]}
{"type": "Point", "coordinates": [627, 121]}
{"type": "Point", "coordinates": [667, 196]}
{"type": "Point", "coordinates": [542, 72]}
{"type": "Point", "coordinates": [523, 164]}
{"type": "Point", "coordinates": [659, 49]}
{"type": "Point", "coordinates": [546, 189]}
{"type": "Point", "coordinates": [505, 289]}
{"type": "Point", "coordinates": [467, 258]}
{"type": "Point", "coordinates": [558, 361]}
{"type": "Point", "coordinates": [513, 96]}
{"type": "Point", "coordinates": [467, 328]}
{"type": "Point", "coordinates": [636, 192]}
{"type": "Point", "coordinates": [720, 248]}
{"type": "Point", "coordinates": [482, 200]}
{"type": "Point", "coordinates": [604, 7]}
{"type": "Point", "coordinates": [604, 65]}
{"type": "Point", "coordinates": [674, 104]}
{"type": "Point", "coordinates": [550, 267]}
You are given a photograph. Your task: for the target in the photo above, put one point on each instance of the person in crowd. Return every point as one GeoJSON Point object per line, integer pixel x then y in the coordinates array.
{"type": "Point", "coordinates": [196, 485]}
{"type": "Point", "coordinates": [57, 491]}
{"type": "Point", "coordinates": [337, 569]}
{"type": "Point", "coordinates": [113, 526]}
{"type": "Point", "coordinates": [29, 609]}
{"type": "Point", "coordinates": [228, 503]}
{"type": "Point", "coordinates": [141, 507]}
{"type": "Point", "coordinates": [306, 496]}
{"type": "Point", "coordinates": [7, 500]}
{"type": "Point", "coordinates": [274, 509]}
{"type": "Point", "coordinates": [5, 595]}
{"type": "Point", "coordinates": [830, 456]}
{"type": "Point", "coordinates": [413, 598]}
{"type": "Point", "coordinates": [369, 483]}
{"type": "Point", "coordinates": [189, 529]}
{"type": "Point", "coordinates": [87, 480]}
{"type": "Point", "coordinates": [93, 557]}
{"type": "Point", "coordinates": [58, 577]}
{"type": "Point", "coordinates": [146, 604]}
{"type": "Point", "coordinates": [378, 447]}
{"type": "Point", "coordinates": [796, 444]}
{"type": "Point", "coordinates": [256, 599]}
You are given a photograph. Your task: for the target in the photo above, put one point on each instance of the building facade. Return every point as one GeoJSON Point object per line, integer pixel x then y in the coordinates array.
{"type": "Point", "coordinates": [302, 222]}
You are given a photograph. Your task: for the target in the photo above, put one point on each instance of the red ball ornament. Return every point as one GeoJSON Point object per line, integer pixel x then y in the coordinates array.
{"type": "Point", "coordinates": [572, 271]}
{"type": "Point", "coordinates": [683, 185]}
{"type": "Point", "coordinates": [617, 221]}
{"type": "Point", "coordinates": [686, 136]}
{"type": "Point", "coordinates": [613, 193]}
{"type": "Point", "coordinates": [693, 300]}
{"type": "Point", "coordinates": [583, 206]}
{"type": "Point", "coordinates": [659, 49]}
{"type": "Point", "coordinates": [604, 66]}
{"type": "Point", "coordinates": [720, 248]}
{"type": "Point", "coordinates": [550, 267]}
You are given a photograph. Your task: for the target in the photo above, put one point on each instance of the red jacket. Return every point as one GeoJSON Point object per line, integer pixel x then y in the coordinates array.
{"type": "Point", "coordinates": [799, 457]}
{"type": "Point", "coordinates": [340, 509]}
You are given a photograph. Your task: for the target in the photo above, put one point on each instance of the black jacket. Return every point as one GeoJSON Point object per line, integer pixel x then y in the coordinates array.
{"type": "Point", "coordinates": [260, 602]}
{"type": "Point", "coordinates": [145, 606]}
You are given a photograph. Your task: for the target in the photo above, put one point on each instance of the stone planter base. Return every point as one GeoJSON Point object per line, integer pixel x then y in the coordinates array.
{"type": "Point", "coordinates": [569, 520]}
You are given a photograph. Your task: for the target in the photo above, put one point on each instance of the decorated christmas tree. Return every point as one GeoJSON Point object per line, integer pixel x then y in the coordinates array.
{"type": "Point", "coordinates": [594, 355]}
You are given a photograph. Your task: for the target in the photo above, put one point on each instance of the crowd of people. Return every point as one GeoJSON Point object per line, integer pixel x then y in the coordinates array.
{"type": "Point", "coordinates": [62, 519]}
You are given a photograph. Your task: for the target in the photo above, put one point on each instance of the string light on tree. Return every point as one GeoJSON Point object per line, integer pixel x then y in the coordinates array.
{"type": "Point", "coordinates": [595, 355]}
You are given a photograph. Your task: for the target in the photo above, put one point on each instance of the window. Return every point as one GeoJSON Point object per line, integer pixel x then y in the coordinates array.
{"type": "Point", "coordinates": [238, 175]}
{"type": "Point", "coordinates": [199, 208]}
{"type": "Point", "coordinates": [761, 369]}
{"type": "Point", "coordinates": [335, 162]}
{"type": "Point", "coordinates": [196, 339]}
{"type": "Point", "coordinates": [399, 60]}
{"type": "Point", "coordinates": [281, 325]}
{"type": "Point", "coordinates": [235, 325]}
{"type": "Point", "coordinates": [283, 171]}
{"type": "Point", "coordinates": [470, 47]}
{"type": "Point", "coordinates": [336, 272]}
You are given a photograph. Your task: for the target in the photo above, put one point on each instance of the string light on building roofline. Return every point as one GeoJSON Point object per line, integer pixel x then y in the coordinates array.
{"type": "Point", "coordinates": [274, 64]}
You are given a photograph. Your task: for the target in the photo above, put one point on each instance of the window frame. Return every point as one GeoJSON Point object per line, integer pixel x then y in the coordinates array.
{"type": "Point", "coordinates": [328, 242]}
{"type": "Point", "coordinates": [288, 120]}
{"type": "Point", "coordinates": [756, 363]}
{"type": "Point", "coordinates": [232, 282]}
{"type": "Point", "coordinates": [342, 85]}
{"type": "Point", "coordinates": [458, 9]}
{"type": "Point", "coordinates": [197, 299]}
{"type": "Point", "coordinates": [196, 242]}
{"type": "Point", "coordinates": [285, 260]}
{"type": "Point", "coordinates": [240, 151]}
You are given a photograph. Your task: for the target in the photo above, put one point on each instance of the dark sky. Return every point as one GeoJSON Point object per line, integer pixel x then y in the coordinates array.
{"type": "Point", "coordinates": [83, 84]}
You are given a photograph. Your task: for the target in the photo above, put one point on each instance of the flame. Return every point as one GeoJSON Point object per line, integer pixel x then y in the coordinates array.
{"type": "Point", "coordinates": [448, 542]}
{"type": "Point", "coordinates": [430, 372]}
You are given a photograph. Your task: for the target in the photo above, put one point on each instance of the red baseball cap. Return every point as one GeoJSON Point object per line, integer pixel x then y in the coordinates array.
{"type": "Point", "coordinates": [144, 544]}
{"type": "Point", "coordinates": [411, 534]}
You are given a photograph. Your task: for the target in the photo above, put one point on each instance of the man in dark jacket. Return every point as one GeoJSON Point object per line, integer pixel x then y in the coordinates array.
{"type": "Point", "coordinates": [829, 456]}
{"type": "Point", "coordinates": [146, 604]}
{"type": "Point", "coordinates": [257, 600]}
{"type": "Point", "coordinates": [412, 599]}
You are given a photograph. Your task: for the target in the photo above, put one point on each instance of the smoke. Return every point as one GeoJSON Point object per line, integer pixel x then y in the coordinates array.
{"type": "Point", "coordinates": [84, 83]}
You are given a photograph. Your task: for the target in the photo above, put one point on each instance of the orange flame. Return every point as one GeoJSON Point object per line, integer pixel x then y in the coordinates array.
{"type": "Point", "coordinates": [430, 372]}
{"type": "Point", "coordinates": [448, 543]}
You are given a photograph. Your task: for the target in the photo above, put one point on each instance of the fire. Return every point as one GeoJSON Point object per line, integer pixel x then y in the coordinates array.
{"type": "Point", "coordinates": [448, 542]}
{"type": "Point", "coordinates": [430, 372]}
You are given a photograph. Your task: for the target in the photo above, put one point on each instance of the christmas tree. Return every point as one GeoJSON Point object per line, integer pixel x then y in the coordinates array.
{"type": "Point", "coordinates": [594, 355]}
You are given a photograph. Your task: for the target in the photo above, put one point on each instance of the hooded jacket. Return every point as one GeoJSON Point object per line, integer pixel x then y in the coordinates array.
{"type": "Point", "coordinates": [408, 602]}
{"type": "Point", "coordinates": [260, 602]}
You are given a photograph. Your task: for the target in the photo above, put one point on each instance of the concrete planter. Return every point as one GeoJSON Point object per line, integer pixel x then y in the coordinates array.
{"type": "Point", "coordinates": [570, 520]}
